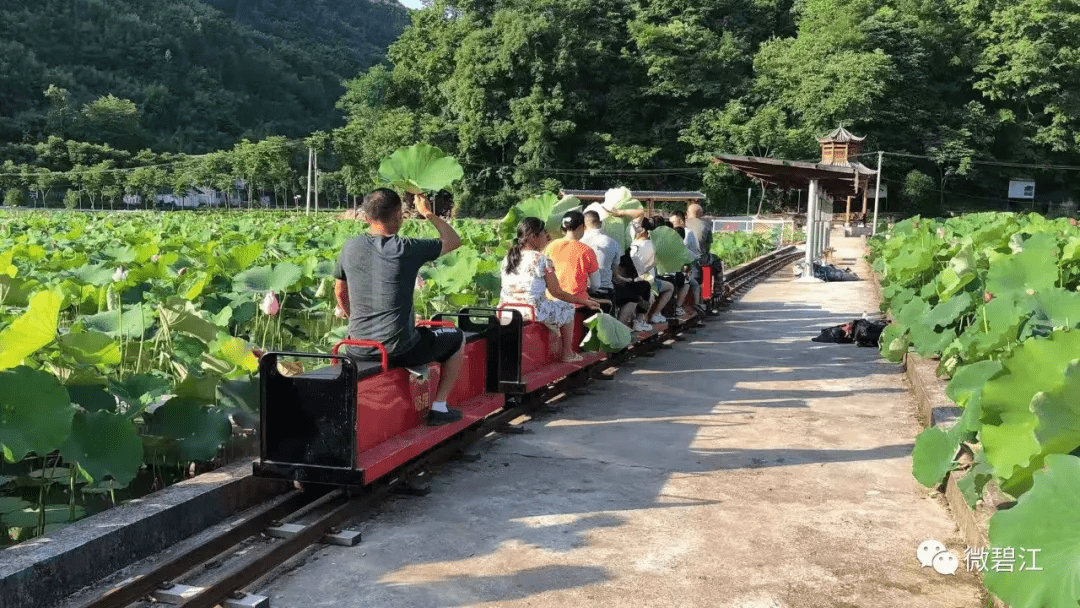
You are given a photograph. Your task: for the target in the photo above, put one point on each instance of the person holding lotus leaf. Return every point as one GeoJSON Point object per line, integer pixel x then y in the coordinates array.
{"type": "Point", "coordinates": [377, 271]}
{"type": "Point", "coordinates": [527, 274]}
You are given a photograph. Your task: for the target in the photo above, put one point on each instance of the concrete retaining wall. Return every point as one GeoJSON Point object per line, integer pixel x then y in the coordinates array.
{"type": "Point", "coordinates": [42, 571]}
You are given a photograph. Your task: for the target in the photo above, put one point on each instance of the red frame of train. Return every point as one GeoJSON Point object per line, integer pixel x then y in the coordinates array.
{"type": "Point", "coordinates": [354, 422]}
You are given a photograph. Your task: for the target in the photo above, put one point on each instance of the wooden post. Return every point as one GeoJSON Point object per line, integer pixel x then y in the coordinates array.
{"type": "Point", "coordinates": [864, 201]}
{"type": "Point", "coordinates": [847, 213]}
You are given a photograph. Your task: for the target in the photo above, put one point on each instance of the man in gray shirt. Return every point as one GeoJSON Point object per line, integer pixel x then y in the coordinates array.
{"type": "Point", "coordinates": [376, 276]}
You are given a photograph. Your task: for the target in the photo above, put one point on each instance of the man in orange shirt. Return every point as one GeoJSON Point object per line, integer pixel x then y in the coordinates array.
{"type": "Point", "coordinates": [574, 261]}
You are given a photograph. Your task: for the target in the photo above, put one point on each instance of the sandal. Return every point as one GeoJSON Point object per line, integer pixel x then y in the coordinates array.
{"type": "Point", "coordinates": [573, 358]}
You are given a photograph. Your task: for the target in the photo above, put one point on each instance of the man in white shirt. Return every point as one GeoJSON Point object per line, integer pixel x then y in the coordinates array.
{"type": "Point", "coordinates": [606, 283]}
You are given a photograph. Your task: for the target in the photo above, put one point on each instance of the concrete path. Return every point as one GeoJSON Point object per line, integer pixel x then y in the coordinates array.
{"type": "Point", "coordinates": [748, 467]}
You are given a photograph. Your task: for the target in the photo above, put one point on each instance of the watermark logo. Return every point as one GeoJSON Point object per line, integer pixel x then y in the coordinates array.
{"type": "Point", "coordinates": [934, 554]}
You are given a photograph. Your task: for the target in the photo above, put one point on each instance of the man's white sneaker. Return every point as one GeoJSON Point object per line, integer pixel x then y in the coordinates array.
{"type": "Point", "coordinates": [657, 318]}
{"type": "Point", "coordinates": [640, 326]}
{"type": "Point", "coordinates": [680, 312]}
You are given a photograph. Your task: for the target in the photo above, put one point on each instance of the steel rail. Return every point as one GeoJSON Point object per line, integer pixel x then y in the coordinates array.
{"type": "Point", "coordinates": [343, 508]}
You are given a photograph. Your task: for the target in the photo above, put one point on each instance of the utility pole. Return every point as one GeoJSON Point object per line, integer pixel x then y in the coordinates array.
{"type": "Point", "coordinates": [748, 201]}
{"type": "Point", "coordinates": [308, 207]}
{"type": "Point", "coordinates": [877, 192]}
{"type": "Point", "coordinates": [316, 181]}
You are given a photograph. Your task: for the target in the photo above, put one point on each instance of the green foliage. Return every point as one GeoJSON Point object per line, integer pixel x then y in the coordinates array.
{"type": "Point", "coordinates": [606, 334]}
{"type": "Point", "coordinates": [190, 75]}
{"type": "Point", "coordinates": [420, 168]}
{"type": "Point", "coordinates": [14, 197]}
{"type": "Point", "coordinates": [996, 296]}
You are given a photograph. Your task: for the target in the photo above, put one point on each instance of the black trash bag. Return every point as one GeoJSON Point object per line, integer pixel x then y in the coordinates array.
{"type": "Point", "coordinates": [867, 333]}
{"type": "Point", "coordinates": [832, 273]}
{"type": "Point", "coordinates": [839, 334]}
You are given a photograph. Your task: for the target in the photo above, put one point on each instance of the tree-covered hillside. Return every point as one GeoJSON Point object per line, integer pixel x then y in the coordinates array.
{"type": "Point", "coordinates": [184, 75]}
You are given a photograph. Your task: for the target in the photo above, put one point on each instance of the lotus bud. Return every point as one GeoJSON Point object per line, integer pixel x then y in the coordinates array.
{"type": "Point", "coordinates": [988, 297]}
{"type": "Point", "coordinates": [323, 286]}
{"type": "Point", "coordinates": [419, 282]}
{"type": "Point", "coordinates": [181, 272]}
{"type": "Point", "coordinates": [119, 275]}
{"type": "Point", "coordinates": [270, 305]}
{"type": "Point", "coordinates": [339, 312]}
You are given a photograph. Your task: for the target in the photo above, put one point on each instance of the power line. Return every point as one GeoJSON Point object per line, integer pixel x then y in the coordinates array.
{"type": "Point", "coordinates": [983, 162]}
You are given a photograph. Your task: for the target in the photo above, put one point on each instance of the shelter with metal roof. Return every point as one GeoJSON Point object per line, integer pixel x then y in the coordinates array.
{"type": "Point", "coordinates": [837, 176]}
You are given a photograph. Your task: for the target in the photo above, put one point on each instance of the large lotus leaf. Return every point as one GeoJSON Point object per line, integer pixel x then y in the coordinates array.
{"type": "Point", "coordinates": [31, 331]}
{"type": "Point", "coordinates": [198, 386]}
{"type": "Point", "coordinates": [91, 347]}
{"type": "Point", "coordinates": [1046, 519]}
{"type": "Point", "coordinates": [1036, 366]}
{"type": "Point", "coordinates": [912, 313]}
{"type": "Point", "coordinates": [1030, 271]}
{"type": "Point", "coordinates": [35, 412]}
{"type": "Point", "coordinates": [194, 287]}
{"type": "Point", "coordinates": [561, 208]}
{"type": "Point", "coordinates": [104, 444]}
{"type": "Point", "coordinates": [179, 314]}
{"type": "Point", "coordinates": [615, 197]}
{"type": "Point", "coordinates": [133, 320]}
{"type": "Point", "coordinates": [671, 252]}
{"type": "Point", "coordinates": [894, 343]}
{"type": "Point", "coordinates": [139, 391]}
{"type": "Point", "coordinates": [236, 352]}
{"type": "Point", "coordinates": [606, 334]}
{"type": "Point", "coordinates": [196, 430]}
{"type": "Point", "coordinates": [933, 454]}
{"type": "Point", "coordinates": [240, 393]}
{"type": "Point", "coordinates": [28, 518]}
{"type": "Point", "coordinates": [420, 167]}
{"type": "Point", "coordinates": [948, 313]}
{"type": "Point", "coordinates": [928, 342]}
{"type": "Point", "coordinates": [967, 383]}
{"type": "Point", "coordinates": [95, 274]}
{"type": "Point", "coordinates": [242, 256]}
{"type": "Point", "coordinates": [122, 255]}
{"type": "Point", "coordinates": [971, 485]}
{"type": "Point", "coordinates": [92, 397]}
{"type": "Point", "coordinates": [264, 278]}
{"type": "Point", "coordinates": [1069, 253]}
{"type": "Point", "coordinates": [453, 272]}
{"type": "Point", "coordinates": [1056, 308]}
{"type": "Point", "coordinates": [324, 268]}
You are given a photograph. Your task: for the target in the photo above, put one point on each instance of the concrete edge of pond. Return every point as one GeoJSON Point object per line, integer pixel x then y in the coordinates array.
{"type": "Point", "coordinates": [42, 571]}
{"type": "Point", "coordinates": [935, 409]}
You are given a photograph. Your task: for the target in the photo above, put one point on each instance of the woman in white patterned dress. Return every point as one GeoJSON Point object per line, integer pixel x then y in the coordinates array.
{"type": "Point", "coordinates": [527, 273]}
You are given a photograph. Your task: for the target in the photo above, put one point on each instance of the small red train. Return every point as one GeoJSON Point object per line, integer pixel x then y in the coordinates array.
{"type": "Point", "coordinates": [354, 422]}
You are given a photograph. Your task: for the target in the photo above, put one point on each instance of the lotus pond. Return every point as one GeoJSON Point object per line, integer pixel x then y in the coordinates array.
{"type": "Point", "coordinates": [127, 340]}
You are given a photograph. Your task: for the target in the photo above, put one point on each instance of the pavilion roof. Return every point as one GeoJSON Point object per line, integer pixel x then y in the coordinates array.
{"type": "Point", "coordinates": [840, 136]}
{"type": "Point", "coordinates": [836, 180]}
{"type": "Point", "coordinates": [653, 195]}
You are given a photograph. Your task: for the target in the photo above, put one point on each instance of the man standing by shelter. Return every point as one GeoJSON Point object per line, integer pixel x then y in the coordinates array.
{"type": "Point", "coordinates": [376, 276]}
{"type": "Point", "coordinates": [701, 229]}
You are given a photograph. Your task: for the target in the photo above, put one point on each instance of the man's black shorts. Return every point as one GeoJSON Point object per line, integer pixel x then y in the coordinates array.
{"type": "Point", "coordinates": [625, 293]}
{"type": "Point", "coordinates": [435, 344]}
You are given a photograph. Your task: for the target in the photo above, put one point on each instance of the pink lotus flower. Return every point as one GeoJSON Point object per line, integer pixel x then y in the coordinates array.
{"type": "Point", "coordinates": [155, 257]}
{"type": "Point", "coordinates": [181, 272]}
{"type": "Point", "coordinates": [419, 282]}
{"type": "Point", "coordinates": [270, 305]}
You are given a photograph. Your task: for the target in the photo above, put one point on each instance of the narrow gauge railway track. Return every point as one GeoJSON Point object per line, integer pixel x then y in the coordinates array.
{"type": "Point", "coordinates": [321, 512]}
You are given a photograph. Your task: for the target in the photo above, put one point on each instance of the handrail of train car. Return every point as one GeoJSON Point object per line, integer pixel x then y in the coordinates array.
{"type": "Point", "coordinates": [517, 305]}
{"type": "Point", "coordinates": [434, 323]}
{"type": "Point", "coordinates": [368, 343]}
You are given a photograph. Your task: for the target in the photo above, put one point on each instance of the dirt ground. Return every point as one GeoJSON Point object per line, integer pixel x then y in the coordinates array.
{"type": "Point", "coordinates": [746, 467]}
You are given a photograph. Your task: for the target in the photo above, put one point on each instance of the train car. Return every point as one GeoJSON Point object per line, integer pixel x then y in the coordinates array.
{"type": "Point", "coordinates": [349, 422]}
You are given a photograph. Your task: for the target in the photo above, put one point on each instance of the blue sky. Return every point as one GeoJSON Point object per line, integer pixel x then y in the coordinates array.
{"type": "Point", "coordinates": [411, 3]}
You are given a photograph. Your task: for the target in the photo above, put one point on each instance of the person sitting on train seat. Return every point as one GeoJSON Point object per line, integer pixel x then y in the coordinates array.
{"type": "Point", "coordinates": [643, 254]}
{"type": "Point", "coordinates": [641, 287]}
{"type": "Point", "coordinates": [376, 276]}
{"type": "Point", "coordinates": [527, 273]}
{"type": "Point", "coordinates": [605, 283]}
{"type": "Point", "coordinates": [701, 228]}
{"type": "Point", "coordinates": [574, 261]}
{"type": "Point", "coordinates": [694, 276]}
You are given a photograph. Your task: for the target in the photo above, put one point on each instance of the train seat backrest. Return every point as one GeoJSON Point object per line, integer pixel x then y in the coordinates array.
{"type": "Point", "coordinates": [310, 417]}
